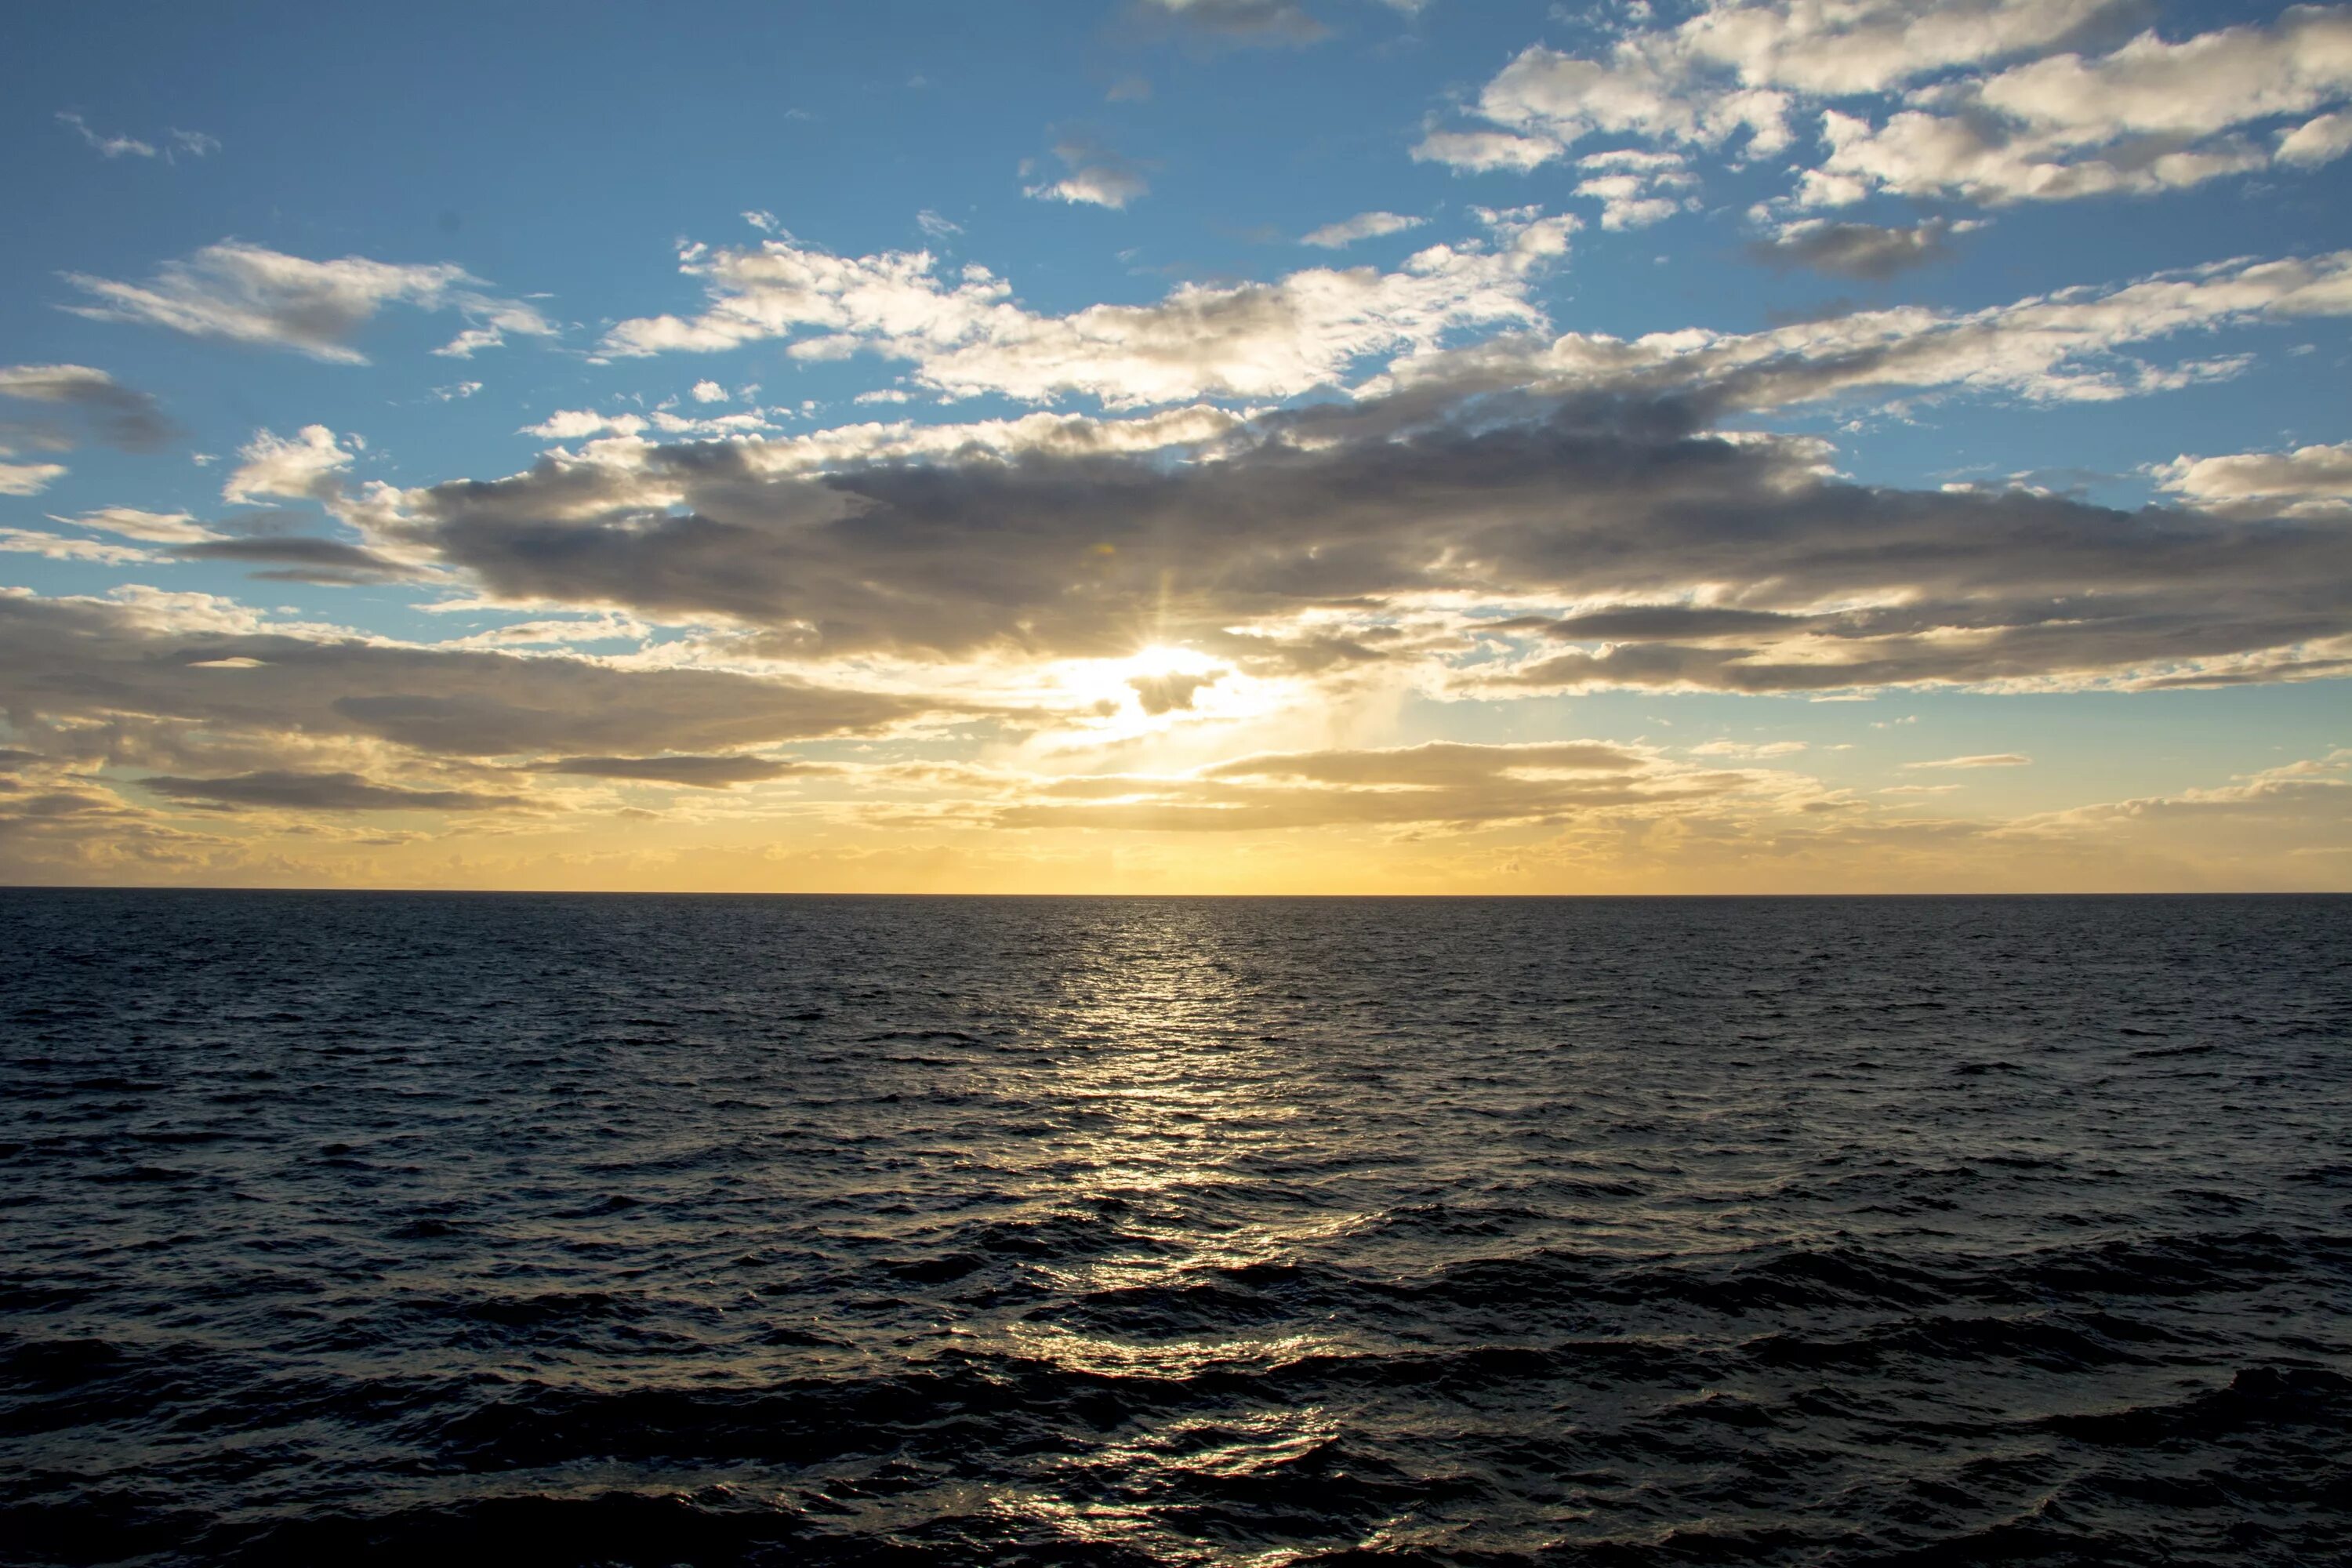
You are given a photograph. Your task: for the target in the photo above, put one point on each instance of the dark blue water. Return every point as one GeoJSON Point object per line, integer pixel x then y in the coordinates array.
{"type": "Point", "coordinates": [373, 1228]}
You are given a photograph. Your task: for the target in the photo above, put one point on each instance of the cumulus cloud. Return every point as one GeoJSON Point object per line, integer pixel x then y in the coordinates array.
{"type": "Point", "coordinates": [965, 336]}
{"type": "Point", "coordinates": [2310, 481]}
{"type": "Point", "coordinates": [2150, 116]}
{"type": "Point", "coordinates": [1093, 176]}
{"type": "Point", "coordinates": [1363, 226]}
{"type": "Point", "coordinates": [247, 294]}
{"type": "Point", "coordinates": [1636, 189]}
{"type": "Point", "coordinates": [1581, 473]}
{"type": "Point", "coordinates": [1993, 101]}
{"type": "Point", "coordinates": [304, 466]}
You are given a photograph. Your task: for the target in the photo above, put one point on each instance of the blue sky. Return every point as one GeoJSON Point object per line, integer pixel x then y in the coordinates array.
{"type": "Point", "coordinates": [1061, 414]}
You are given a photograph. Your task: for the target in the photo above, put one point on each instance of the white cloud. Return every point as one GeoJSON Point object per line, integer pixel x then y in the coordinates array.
{"type": "Point", "coordinates": [2310, 481]}
{"type": "Point", "coordinates": [935, 226]}
{"type": "Point", "coordinates": [193, 143]}
{"type": "Point", "coordinates": [153, 527]}
{"type": "Point", "coordinates": [1096, 176]}
{"type": "Point", "coordinates": [28, 479]}
{"type": "Point", "coordinates": [300, 468]}
{"type": "Point", "coordinates": [2149, 115]}
{"type": "Point", "coordinates": [709, 392]}
{"type": "Point", "coordinates": [577, 424]}
{"type": "Point", "coordinates": [2315, 142]}
{"type": "Point", "coordinates": [244, 293]}
{"type": "Point", "coordinates": [57, 547]}
{"type": "Point", "coordinates": [107, 146]}
{"type": "Point", "coordinates": [1636, 188]}
{"type": "Point", "coordinates": [1363, 226]}
{"type": "Point", "coordinates": [965, 335]}
{"type": "Point", "coordinates": [2066, 346]}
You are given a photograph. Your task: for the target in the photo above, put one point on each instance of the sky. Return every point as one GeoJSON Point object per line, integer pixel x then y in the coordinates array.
{"type": "Point", "coordinates": [1179, 446]}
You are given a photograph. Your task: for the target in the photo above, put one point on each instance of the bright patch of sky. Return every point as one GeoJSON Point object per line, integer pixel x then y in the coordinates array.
{"type": "Point", "coordinates": [1264, 445]}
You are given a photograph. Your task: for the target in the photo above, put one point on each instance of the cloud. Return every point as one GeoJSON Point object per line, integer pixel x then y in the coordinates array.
{"type": "Point", "coordinates": [2150, 116]}
{"type": "Point", "coordinates": [1636, 189]}
{"type": "Point", "coordinates": [28, 479]}
{"type": "Point", "coordinates": [284, 791]}
{"type": "Point", "coordinates": [1444, 784]}
{"type": "Point", "coordinates": [107, 146]}
{"type": "Point", "coordinates": [722, 772]}
{"type": "Point", "coordinates": [193, 143]}
{"type": "Point", "coordinates": [247, 294]}
{"type": "Point", "coordinates": [58, 547]}
{"type": "Point", "coordinates": [1166, 693]}
{"type": "Point", "coordinates": [303, 467]}
{"type": "Point", "coordinates": [1096, 176]}
{"type": "Point", "coordinates": [117, 415]}
{"type": "Point", "coordinates": [966, 337]}
{"type": "Point", "coordinates": [709, 392]}
{"type": "Point", "coordinates": [937, 228]}
{"type": "Point", "coordinates": [1583, 474]}
{"type": "Point", "coordinates": [304, 560]}
{"type": "Point", "coordinates": [1983, 760]}
{"type": "Point", "coordinates": [166, 666]}
{"type": "Point", "coordinates": [1248, 23]}
{"type": "Point", "coordinates": [1992, 100]}
{"type": "Point", "coordinates": [2308, 482]}
{"type": "Point", "coordinates": [1748, 749]}
{"type": "Point", "coordinates": [151, 527]}
{"type": "Point", "coordinates": [2068, 345]}
{"type": "Point", "coordinates": [2319, 141]}
{"type": "Point", "coordinates": [1363, 226]}
{"type": "Point", "coordinates": [1866, 252]}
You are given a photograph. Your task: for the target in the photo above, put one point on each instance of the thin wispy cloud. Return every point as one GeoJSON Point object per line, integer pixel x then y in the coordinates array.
{"type": "Point", "coordinates": [248, 294]}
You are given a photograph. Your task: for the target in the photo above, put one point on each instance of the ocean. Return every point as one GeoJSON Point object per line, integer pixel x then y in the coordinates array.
{"type": "Point", "coordinates": [359, 1228]}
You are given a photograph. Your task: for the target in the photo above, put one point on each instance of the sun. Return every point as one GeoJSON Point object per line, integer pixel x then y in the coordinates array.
{"type": "Point", "coordinates": [1156, 686]}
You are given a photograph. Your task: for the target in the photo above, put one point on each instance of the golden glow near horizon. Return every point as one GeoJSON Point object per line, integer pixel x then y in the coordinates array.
{"type": "Point", "coordinates": [1672, 497]}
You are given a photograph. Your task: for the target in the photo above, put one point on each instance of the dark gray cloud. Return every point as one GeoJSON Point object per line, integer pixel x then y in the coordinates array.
{"type": "Point", "coordinates": [307, 560]}
{"type": "Point", "coordinates": [698, 771]}
{"type": "Point", "coordinates": [1864, 251]}
{"type": "Point", "coordinates": [11, 758]}
{"type": "Point", "coordinates": [81, 661]}
{"type": "Point", "coordinates": [117, 414]}
{"type": "Point", "coordinates": [1624, 499]}
{"type": "Point", "coordinates": [1165, 693]}
{"type": "Point", "coordinates": [289, 791]}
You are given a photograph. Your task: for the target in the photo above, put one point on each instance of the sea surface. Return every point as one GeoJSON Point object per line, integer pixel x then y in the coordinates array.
{"type": "Point", "coordinates": [385, 1228]}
